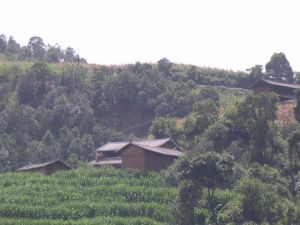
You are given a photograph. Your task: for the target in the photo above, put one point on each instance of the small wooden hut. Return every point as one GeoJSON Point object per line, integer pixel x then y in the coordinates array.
{"type": "Point", "coordinates": [284, 91]}
{"type": "Point", "coordinates": [47, 168]}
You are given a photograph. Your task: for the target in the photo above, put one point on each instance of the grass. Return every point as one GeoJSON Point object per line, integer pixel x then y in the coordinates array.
{"type": "Point", "coordinates": [85, 196]}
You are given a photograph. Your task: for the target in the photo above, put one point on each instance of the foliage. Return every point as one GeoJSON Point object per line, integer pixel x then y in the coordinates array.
{"type": "Point", "coordinates": [253, 118]}
{"type": "Point", "coordinates": [279, 68]}
{"type": "Point", "coordinates": [66, 108]}
{"type": "Point", "coordinates": [294, 159]}
{"type": "Point", "coordinates": [200, 119]}
{"type": "Point", "coordinates": [206, 171]}
{"type": "Point", "coordinates": [37, 50]}
{"type": "Point", "coordinates": [164, 127]}
{"type": "Point", "coordinates": [260, 202]}
{"type": "Point", "coordinates": [83, 106]}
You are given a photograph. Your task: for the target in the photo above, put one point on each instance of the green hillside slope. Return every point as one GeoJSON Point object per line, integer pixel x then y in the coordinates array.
{"type": "Point", "coordinates": [85, 196]}
{"type": "Point", "coordinates": [50, 111]}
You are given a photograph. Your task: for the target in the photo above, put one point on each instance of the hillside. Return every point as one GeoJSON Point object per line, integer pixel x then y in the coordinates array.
{"type": "Point", "coordinates": [241, 162]}
{"type": "Point", "coordinates": [85, 197]}
{"type": "Point", "coordinates": [62, 110]}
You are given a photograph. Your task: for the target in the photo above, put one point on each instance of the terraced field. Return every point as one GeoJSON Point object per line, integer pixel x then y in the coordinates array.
{"type": "Point", "coordinates": [85, 197]}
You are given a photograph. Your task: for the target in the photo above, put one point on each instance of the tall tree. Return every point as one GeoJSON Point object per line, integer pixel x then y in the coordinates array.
{"type": "Point", "coordinates": [69, 54]}
{"type": "Point", "coordinates": [3, 43]}
{"type": "Point", "coordinates": [208, 171]}
{"type": "Point", "coordinates": [255, 116]}
{"type": "Point", "coordinates": [12, 46]}
{"type": "Point", "coordinates": [37, 47]}
{"type": "Point", "coordinates": [34, 84]}
{"type": "Point", "coordinates": [54, 54]}
{"type": "Point", "coordinates": [255, 73]}
{"type": "Point", "coordinates": [164, 66]}
{"type": "Point", "coordinates": [279, 68]}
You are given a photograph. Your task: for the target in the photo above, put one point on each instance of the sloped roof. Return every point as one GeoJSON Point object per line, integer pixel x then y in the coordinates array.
{"type": "Point", "coordinates": [163, 151]}
{"type": "Point", "coordinates": [275, 83]}
{"type": "Point", "coordinates": [39, 165]}
{"type": "Point", "coordinates": [153, 143]}
{"type": "Point", "coordinates": [117, 146]}
{"type": "Point", "coordinates": [112, 146]}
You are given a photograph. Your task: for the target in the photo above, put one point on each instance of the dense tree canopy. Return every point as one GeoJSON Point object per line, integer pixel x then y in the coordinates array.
{"type": "Point", "coordinates": [279, 68]}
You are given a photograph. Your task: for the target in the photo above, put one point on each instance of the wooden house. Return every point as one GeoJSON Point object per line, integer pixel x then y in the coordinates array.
{"type": "Point", "coordinates": [145, 157]}
{"type": "Point", "coordinates": [47, 168]}
{"type": "Point", "coordinates": [284, 91]}
{"type": "Point", "coordinates": [155, 154]}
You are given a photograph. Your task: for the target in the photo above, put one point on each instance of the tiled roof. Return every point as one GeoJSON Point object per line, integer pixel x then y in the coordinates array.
{"type": "Point", "coordinates": [153, 143]}
{"type": "Point", "coordinates": [163, 151]}
{"type": "Point", "coordinates": [117, 146]}
{"type": "Point", "coordinates": [276, 83]}
{"type": "Point", "coordinates": [39, 165]}
{"type": "Point", "coordinates": [112, 146]}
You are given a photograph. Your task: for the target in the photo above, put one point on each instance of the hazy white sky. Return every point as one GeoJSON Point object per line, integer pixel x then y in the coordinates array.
{"type": "Point", "coordinates": [232, 34]}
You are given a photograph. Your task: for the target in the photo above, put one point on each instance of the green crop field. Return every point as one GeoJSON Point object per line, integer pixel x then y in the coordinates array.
{"type": "Point", "coordinates": [85, 196]}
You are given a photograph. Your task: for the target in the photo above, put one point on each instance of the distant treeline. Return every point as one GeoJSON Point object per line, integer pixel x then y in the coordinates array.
{"type": "Point", "coordinates": [36, 49]}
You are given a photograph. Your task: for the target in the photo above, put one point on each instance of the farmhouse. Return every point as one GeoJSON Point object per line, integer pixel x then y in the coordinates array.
{"type": "Point", "coordinates": [284, 91]}
{"type": "Point", "coordinates": [47, 168]}
{"type": "Point", "coordinates": [145, 155]}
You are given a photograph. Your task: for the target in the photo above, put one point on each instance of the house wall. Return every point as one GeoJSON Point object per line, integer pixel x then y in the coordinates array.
{"type": "Point", "coordinates": [258, 90]}
{"type": "Point", "coordinates": [283, 91]}
{"type": "Point", "coordinates": [133, 158]}
{"type": "Point", "coordinates": [42, 170]}
{"type": "Point", "coordinates": [157, 162]}
{"type": "Point", "coordinates": [55, 167]}
{"type": "Point", "coordinates": [137, 158]}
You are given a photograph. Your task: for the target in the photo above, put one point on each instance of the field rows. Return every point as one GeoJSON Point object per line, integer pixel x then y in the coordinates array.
{"type": "Point", "coordinates": [85, 196]}
{"type": "Point", "coordinates": [97, 221]}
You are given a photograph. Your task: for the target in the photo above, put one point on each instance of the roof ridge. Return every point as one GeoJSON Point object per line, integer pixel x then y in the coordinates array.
{"type": "Point", "coordinates": [156, 139]}
{"type": "Point", "coordinates": [153, 148]}
{"type": "Point", "coordinates": [37, 165]}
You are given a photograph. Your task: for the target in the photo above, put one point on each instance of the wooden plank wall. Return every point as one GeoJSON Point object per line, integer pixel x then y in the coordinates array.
{"type": "Point", "coordinates": [133, 158]}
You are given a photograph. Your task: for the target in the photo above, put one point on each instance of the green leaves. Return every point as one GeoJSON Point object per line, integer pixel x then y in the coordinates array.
{"type": "Point", "coordinates": [278, 67]}
{"type": "Point", "coordinates": [260, 202]}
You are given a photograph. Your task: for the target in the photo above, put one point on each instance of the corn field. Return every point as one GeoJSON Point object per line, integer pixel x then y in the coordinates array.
{"type": "Point", "coordinates": [85, 196]}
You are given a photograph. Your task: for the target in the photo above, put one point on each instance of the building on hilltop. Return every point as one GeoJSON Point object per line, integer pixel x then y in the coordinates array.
{"type": "Point", "coordinates": [153, 155]}
{"type": "Point", "coordinates": [47, 168]}
{"type": "Point", "coordinates": [284, 91]}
